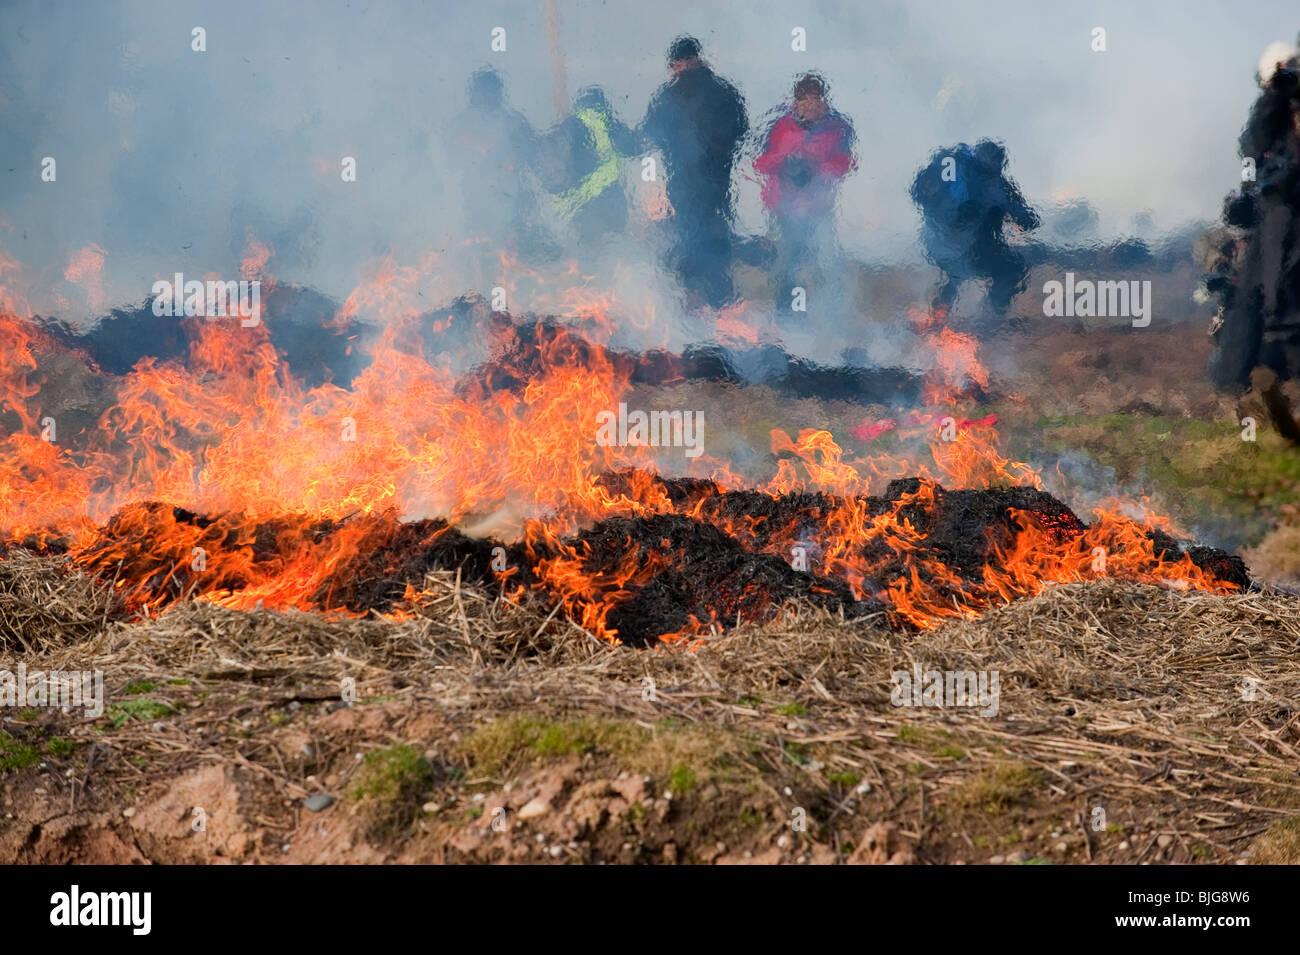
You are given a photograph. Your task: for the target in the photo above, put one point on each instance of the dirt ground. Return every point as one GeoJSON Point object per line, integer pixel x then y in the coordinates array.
{"type": "Point", "coordinates": [482, 731]}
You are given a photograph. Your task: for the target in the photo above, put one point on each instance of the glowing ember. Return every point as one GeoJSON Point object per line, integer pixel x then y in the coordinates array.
{"type": "Point", "coordinates": [226, 479]}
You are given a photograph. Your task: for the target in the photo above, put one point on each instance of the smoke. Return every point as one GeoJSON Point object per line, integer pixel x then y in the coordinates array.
{"type": "Point", "coordinates": [167, 157]}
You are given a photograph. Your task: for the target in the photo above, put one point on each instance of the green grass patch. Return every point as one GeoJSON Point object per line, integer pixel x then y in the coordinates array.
{"type": "Point", "coordinates": [676, 752]}
{"type": "Point", "coordinates": [15, 754]}
{"type": "Point", "coordinates": [996, 790]}
{"type": "Point", "coordinates": [791, 709]}
{"type": "Point", "coordinates": [388, 785]}
{"type": "Point", "coordinates": [1202, 465]}
{"type": "Point", "coordinates": [143, 709]}
{"type": "Point", "coordinates": [60, 746]}
{"type": "Point", "coordinates": [682, 779]}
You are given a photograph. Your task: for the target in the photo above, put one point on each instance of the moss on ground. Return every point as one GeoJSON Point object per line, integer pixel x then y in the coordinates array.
{"type": "Point", "coordinates": [684, 755]}
{"type": "Point", "coordinates": [996, 791]}
{"type": "Point", "coordinates": [15, 754]}
{"type": "Point", "coordinates": [388, 787]}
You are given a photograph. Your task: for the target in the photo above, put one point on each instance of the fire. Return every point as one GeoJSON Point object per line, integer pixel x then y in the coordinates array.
{"type": "Point", "coordinates": [226, 479]}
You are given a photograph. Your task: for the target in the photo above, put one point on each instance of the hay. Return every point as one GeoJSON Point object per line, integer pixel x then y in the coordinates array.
{"type": "Point", "coordinates": [1110, 692]}
{"type": "Point", "coordinates": [46, 603]}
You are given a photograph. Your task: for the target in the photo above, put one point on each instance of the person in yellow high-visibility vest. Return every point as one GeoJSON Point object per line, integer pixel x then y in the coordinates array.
{"type": "Point", "coordinates": [588, 147]}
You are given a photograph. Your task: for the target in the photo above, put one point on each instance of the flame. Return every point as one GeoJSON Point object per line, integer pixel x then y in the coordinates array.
{"type": "Point", "coordinates": [223, 478]}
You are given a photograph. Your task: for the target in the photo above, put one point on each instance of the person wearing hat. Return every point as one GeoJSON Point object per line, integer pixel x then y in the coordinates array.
{"type": "Point", "coordinates": [807, 151]}
{"type": "Point", "coordinates": [698, 121]}
{"type": "Point", "coordinates": [591, 144]}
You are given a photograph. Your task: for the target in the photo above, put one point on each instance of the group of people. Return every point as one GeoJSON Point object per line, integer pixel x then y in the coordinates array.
{"type": "Point", "coordinates": [698, 122]}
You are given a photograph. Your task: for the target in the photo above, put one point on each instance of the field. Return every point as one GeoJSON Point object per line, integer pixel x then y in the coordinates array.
{"type": "Point", "coordinates": [1135, 724]}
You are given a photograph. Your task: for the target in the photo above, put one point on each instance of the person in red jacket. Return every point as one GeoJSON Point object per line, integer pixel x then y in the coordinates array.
{"type": "Point", "coordinates": [808, 150]}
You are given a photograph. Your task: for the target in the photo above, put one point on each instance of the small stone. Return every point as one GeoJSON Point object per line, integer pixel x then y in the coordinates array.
{"type": "Point", "coordinates": [129, 812]}
{"type": "Point", "coordinates": [534, 808]}
{"type": "Point", "coordinates": [1020, 855]}
{"type": "Point", "coordinates": [557, 851]}
{"type": "Point", "coordinates": [1124, 844]}
{"type": "Point", "coordinates": [430, 807]}
{"type": "Point", "coordinates": [295, 705]}
{"type": "Point", "coordinates": [997, 860]}
{"type": "Point", "coordinates": [1061, 847]}
{"type": "Point", "coordinates": [336, 706]}
{"type": "Point", "coordinates": [783, 841]}
{"type": "Point", "coordinates": [863, 788]}
{"type": "Point", "coordinates": [1164, 840]}
{"type": "Point", "coordinates": [318, 803]}
{"type": "Point", "coordinates": [285, 848]}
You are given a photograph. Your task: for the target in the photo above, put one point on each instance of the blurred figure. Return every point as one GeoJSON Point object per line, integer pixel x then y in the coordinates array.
{"type": "Point", "coordinates": [495, 144]}
{"type": "Point", "coordinates": [965, 198]}
{"type": "Point", "coordinates": [587, 149]}
{"type": "Point", "coordinates": [697, 119]}
{"type": "Point", "coordinates": [808, 150]}
{"type": "Point", "coordinates": [1258, 273]}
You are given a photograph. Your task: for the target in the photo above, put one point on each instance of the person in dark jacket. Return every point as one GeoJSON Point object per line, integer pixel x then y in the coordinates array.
{"type": "Point", "coordinates": [965, 198]}
{"type": "Point", "coordinates": [698, 120]}
{"type": "Point", "coordinates": [1259, 322]}
{"type": "Point", "coordinates": [586, 151]}
{"type": "Point", "coordinates": [807, 151]}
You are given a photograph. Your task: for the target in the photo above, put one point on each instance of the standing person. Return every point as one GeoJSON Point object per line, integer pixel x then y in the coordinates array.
{"type": "Point", "coordinates": [808, 150]}
{"type": "Point", "coordinates": [698, 120]}
{"type": "Point", "coordinates": [589, 146]}
{"type": "Point", "coordinates": [966, 197]}
{"type": "Point", "coordinates": [495, 144]}
{"type": "Point", "coordinates": [1261, 292]}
